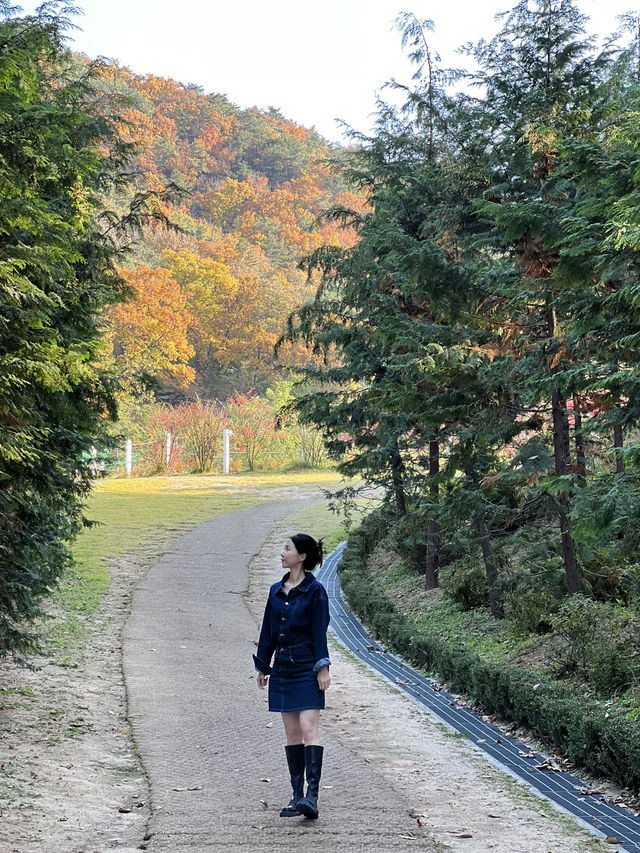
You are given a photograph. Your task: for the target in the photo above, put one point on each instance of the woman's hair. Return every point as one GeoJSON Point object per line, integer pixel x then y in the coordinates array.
{"type": "Point", "coordinates": [307, 545]}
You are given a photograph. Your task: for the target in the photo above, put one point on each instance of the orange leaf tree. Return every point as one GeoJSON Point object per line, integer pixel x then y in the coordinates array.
{"type": "Point", "coordinates": [148, 334]}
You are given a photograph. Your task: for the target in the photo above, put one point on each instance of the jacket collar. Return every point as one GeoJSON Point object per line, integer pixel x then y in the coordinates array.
{"type": "Point", "coordinates": [303, 586]}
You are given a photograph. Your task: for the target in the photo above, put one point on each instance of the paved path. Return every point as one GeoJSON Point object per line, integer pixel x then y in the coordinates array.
{"type": "Point", "coordinates": [201, 724]}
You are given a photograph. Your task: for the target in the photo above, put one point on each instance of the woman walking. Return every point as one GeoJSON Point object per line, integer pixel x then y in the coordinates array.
{"type": "Point", "coordinates": [294, 628]}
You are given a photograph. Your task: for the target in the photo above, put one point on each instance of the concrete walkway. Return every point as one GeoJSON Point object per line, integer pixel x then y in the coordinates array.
{"type": "Point", "coordinates": [213, 754]}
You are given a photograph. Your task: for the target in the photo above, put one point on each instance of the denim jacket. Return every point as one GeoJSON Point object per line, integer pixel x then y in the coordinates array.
{"type": "Point", "coordinates": [300, 619]}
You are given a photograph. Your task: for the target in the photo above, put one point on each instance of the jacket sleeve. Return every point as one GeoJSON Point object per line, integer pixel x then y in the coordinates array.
{"type": "Point", "coordinates": [320, 623]}
{"type": "Point", "coordinates": [266, 648]}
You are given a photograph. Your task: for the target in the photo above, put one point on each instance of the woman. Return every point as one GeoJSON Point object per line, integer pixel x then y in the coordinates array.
{"type": "Point", "coordinates": [295, 629]}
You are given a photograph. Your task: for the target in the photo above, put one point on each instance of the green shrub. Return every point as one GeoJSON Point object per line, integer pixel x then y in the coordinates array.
{"type": "Point", "coordinates": [598, 641]}
{"type": "Point", "coordinates": [466, 584]}
{"type": "Point", "coordinates": [629, 584]}
{"type": "Point", "coordinates": [530, 610]}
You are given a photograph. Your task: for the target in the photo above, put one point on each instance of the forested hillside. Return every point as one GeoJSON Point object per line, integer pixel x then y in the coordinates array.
{"type": "Point", "coordinates": [213, 298]}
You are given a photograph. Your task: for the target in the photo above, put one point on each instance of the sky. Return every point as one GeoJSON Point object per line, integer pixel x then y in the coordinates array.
{"type": "Point", "coordinates": [315, 60]}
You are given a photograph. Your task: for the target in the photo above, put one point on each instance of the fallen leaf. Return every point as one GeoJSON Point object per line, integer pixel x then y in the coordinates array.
{"type": "Point", "coordinates": [195, 788]}
{"type": "Point", "coordinates": [482, 740]}
{"type": "Point", "coordinates": [610, 839]}
{"type": "Point", "coordinates": [549, 764]}
{"type": "Point", "coordinates": [327, 787]}
{"type": "Point", "coordinates": [409, 837]}
{"type": "Point", "coordinates": [419, 822]}
{"type": "Point", "coordinates": [265, 779]}
{"type": "Point", "coordinates": [493, 815]}
{"type": "Point", "coordinates": [464, 835]}
{"type": "Point", "coordinates": [124, 810]}
{"type": "Point", "coordinates": [268, 726]}
{"type": "Point", "coordinates": [265, 804]}
{"type": "Point", "coordinates": [542, 814]}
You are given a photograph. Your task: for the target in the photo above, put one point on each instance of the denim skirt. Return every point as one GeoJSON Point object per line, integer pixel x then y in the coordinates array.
{"type": "Point", "coordinates": [293, 685]}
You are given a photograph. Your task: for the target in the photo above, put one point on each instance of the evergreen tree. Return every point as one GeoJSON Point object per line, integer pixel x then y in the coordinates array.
{"type": "Point", "coordinates": [543, 85]}
{"type": "Point", "coordinates": [485, 313]}
{"type": "Point", "coordinates": [60, 156]}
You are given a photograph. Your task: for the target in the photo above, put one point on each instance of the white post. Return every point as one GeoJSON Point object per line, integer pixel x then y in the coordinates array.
{"type": "Point", "coordinates": [168, 449]}
{"type": "Point", "coordinates": [226, 452]}
{"type": "Point", "coordinates": [128, 453]}
{"type": "Point", "coordinates": [94, 460]}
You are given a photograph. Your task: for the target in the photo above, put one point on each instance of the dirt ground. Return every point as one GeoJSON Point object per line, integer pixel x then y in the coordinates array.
{"type": "Point", "coordinates": [68, 766]}
{"type": "Point", "coordinates": [69, 769]}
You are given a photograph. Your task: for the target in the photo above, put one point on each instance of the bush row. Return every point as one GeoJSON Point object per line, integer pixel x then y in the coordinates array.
{"type": "Point", "coordinates": [602, 740]}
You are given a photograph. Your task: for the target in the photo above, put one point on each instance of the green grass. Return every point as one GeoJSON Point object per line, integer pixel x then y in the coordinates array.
{"type": "Point", "coordinates": [437, 614]}
{"type": "Point", "coordinates": [269, 479]}
{"type": "Point", "coordinates": [141, 516]}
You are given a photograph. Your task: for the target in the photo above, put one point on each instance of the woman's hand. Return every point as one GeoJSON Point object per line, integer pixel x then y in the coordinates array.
{"type": "Point", "coordinates": [262, 681]}
{"type": "Point", "coordinates": [324, 680]}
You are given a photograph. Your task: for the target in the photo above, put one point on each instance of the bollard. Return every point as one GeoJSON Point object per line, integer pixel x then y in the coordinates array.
{"type": "Point", "coordinates": [226, 452]}
{"type": "Point", "coordinates": [128, 452]}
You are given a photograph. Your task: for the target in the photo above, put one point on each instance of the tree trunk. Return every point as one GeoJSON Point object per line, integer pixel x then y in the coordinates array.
{"type": "Point", "coordinates": [482, 529]}
{"type": "Point", "coordinates": [618, 442]}
{"type": "Point", "coordinates": [491, 570]}
{"type": "Point", "coordinates": [562, 460]}
{"type": "Point", "coordinates": [432, 560]}
{"type": "Point", "coordinates": [571, 570]}
{"type": "Point", "coordinates": [581, 458]}
{"type": "Point", "coordinates": [397, 475]}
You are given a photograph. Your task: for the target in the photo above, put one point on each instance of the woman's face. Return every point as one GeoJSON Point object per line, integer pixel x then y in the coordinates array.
{"type": "Point", "coordinates": [290, 557]}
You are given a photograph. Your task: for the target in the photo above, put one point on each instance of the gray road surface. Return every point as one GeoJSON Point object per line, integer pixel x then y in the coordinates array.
{"type": "Point", "coordinates": [201, 724]}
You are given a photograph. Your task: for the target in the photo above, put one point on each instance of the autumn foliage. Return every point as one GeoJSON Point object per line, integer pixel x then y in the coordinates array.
{"type": "Point", "coordinates": [148, 334]}
{"type": "Point", "coordinates": [210, 301]}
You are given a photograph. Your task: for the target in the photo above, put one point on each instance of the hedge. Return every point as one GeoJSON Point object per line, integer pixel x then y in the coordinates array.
{"type": "Point", "coordinates": [600, 739]}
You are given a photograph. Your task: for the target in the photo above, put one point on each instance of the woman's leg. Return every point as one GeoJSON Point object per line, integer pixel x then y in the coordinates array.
{"type": "Point", "coordinates": [292, 727]}
{"type": "Point", "coordinates": [309, 722]}
{"type": "Point", "coordinates": [295, 761]}
{"type": "Point", "coordinates": [313, 752]}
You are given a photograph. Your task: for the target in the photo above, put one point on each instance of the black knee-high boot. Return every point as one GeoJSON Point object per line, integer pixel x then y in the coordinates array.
{"type": "Point", "coordinates": [308, 806]}
{"type": "Point", "coordinates": [295, 760]}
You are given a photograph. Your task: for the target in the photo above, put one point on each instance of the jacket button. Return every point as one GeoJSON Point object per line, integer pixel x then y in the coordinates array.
{"type": "Point", "coordinates": [284, 619]}
{"type": "Point", "coordinates": [287, 603]}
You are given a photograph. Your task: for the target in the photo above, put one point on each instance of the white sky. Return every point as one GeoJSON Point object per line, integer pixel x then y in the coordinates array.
{"type": "Point", "coordinates": [315, 61]}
